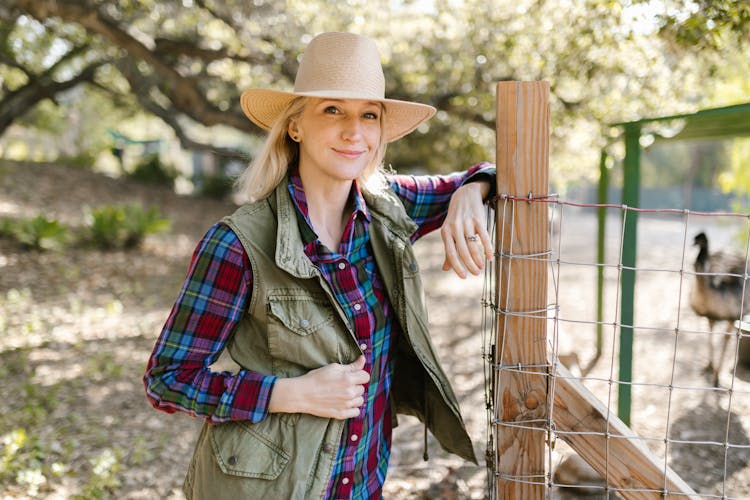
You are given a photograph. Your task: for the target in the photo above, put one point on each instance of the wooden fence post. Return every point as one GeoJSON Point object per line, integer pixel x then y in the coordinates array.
{"type": "Point", "coordinates": [521, 375]}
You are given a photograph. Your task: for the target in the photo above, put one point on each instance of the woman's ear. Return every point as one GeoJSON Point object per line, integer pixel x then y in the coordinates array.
{"type": "Point", "coordinates": [293, 130]}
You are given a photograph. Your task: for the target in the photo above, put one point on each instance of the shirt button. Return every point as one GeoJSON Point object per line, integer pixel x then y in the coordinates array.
{"type": "Point", "coordinates": [363, 346]}
{"type": "Point", "coordinates": [342, 265]}
{"type": "Point", "coordinates": [357, 307]}
{"type": "Point", "coordinates": [354, 437]}
{"type": "Point", "coordinates": [345, 480]}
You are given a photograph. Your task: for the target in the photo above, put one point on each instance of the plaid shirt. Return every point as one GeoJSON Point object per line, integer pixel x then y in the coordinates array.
{"type": "Point", "coordinates": [216, 292]}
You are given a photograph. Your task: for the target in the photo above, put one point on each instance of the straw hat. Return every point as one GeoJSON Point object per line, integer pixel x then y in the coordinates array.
{"type": "Point", "coordinates": [339, 66]}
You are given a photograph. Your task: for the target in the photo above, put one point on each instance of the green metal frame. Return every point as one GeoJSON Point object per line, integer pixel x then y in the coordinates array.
{"type": "Point", "coordinates": [716, 123]}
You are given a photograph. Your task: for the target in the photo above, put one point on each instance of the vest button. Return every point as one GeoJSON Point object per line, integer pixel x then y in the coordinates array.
{"type": "Point", "coordinates": [327, 448]}
{"type": "Point", "coordinates": [412, 266]}
{"type": "Point", "coordinates": [304, 323]}
{"type": "Point", "coordinates": [232, 460]}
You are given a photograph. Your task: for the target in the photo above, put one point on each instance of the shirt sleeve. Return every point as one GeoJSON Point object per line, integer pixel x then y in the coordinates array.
{"type": "Point", "coordinates": [426, 197]}
{"type": "Point", "coordinates": [211, 302]}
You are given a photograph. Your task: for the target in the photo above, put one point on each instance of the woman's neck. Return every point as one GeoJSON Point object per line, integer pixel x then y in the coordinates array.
{"type": "Point", "coordinates": [327, 208]}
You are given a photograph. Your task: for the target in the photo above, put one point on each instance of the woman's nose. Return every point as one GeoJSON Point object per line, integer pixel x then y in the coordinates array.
{"type": "Point", "coordinates": [352, 128]}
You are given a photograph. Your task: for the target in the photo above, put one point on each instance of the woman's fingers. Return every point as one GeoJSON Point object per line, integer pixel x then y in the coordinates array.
{"type": "Point", "coordinates": [487, 244]}
{"type": "Point", "coordinates": [466, 248]}
{"type": "Point", "coordinates": [480, 245]}
{"type": "Point", "coordinates": [452, 260]}
{"type": "Point", "coordinates": [465, 238]}
{"type": "Point", "coordinates": [333, 391]}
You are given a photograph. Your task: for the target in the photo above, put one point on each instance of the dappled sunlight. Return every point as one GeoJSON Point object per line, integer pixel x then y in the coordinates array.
{"type": "Point", "coordinates": [27, 325]}
{"type": "Point", "coordinates": [450, 283]}
{"type": "Point", "coordinates": [8, 208]}
{"type": "Point", "coordinates": [180, 247]}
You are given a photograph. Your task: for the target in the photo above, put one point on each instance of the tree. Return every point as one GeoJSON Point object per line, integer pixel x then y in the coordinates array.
{"type": "Point", "coordinates": [707, 24]}
{"type": "Point", "coordinates": [186, 62]}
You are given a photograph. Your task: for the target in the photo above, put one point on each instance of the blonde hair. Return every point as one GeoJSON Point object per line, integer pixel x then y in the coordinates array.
{"type": "Point", "coordinates": [279, 151]}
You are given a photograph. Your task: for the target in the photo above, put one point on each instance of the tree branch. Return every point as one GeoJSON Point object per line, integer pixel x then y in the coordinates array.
{"type": "Point", "coordinates": [18, 102]}
{"type": "Point", "coordinates": [183, 91]}
{"type": "Point", "coordinates": [140, 85]}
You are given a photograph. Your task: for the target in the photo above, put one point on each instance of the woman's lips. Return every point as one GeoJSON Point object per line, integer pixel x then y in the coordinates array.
{"type": "Point", "coordinates": [350, 153]}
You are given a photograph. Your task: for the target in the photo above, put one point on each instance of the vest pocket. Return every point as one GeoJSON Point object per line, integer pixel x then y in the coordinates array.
{"type": "Point", "coordinates": [303, 333]}
{"type": "Point", "coordinates": [302, 315]}
{"type": "Point", "coordinates": [241, 450]}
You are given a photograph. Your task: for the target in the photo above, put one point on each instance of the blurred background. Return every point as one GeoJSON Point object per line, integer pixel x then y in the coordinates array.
{"type": "Point", "coordinates": [121, 134]}
{"type": "Point", "coordinates": [102, 84]}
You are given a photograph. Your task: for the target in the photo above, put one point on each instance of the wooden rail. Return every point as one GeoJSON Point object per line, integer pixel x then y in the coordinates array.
{"type": "Point", "coordinates": [609, 446]}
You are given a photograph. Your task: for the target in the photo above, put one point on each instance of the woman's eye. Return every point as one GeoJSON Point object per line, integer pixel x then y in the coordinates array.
{"type": "Point", "coordinates": [371, 115]}
{"type": "Point", "coordinates": [331, 109]}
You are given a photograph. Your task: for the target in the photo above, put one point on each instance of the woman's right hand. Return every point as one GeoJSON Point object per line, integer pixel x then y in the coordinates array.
{"type": "Point", "coordinates": [331, 391]}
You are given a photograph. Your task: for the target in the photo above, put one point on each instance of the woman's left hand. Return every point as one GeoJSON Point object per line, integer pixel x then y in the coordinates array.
{"type": "Point", "coordinates": [464, 232]}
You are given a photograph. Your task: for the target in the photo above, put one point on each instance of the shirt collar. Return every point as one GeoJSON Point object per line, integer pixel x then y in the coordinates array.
{"type": "Point", "coordinates": [297, 192]}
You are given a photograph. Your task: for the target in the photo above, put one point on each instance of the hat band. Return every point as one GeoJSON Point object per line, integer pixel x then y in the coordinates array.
{"type": "Point", "coordinates": [341, 94]}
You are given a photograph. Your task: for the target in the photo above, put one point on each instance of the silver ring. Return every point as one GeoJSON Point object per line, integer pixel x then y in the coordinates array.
{"type": "Point", "coordinates": [472, 237]}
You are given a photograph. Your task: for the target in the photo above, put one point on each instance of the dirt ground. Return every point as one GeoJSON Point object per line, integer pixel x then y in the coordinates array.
{"type": "Point", "coordinates": [77, 327]}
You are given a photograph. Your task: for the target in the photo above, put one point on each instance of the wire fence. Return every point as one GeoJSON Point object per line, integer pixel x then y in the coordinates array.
{"type": "Point", "coordinates": [695, 427]}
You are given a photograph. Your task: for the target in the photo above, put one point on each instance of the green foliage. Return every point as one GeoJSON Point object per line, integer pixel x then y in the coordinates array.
{"type": "Point", "coordinates": [737, 178]}
{"type": "Point", "coordinates": [38, 402]}
{"type": "Point", "coordinates": [37, 233]}
{"type": "Point", "coordinates": [103, 366]}
{"type": "Point", "coordinates": [103, 479]}
{"type": "Point", "coordinates": [606, 61]}
{"type": "Point", "coordinates": [124, 226]}
{"type": "Point", "coordinates": [693, 163]}
{"type": "Point", "coordinates": [217, 186]}
{"type": "Point", "coordinates": [84, 159]}
{"type": "Point", "coordinates": [152, 170]}
{"type": "Point", "coordinates": [26, 458]}
{"type": "Point", "coordinates": [22, 461]}
{"type": "Point", "coordinates": [710, 24]}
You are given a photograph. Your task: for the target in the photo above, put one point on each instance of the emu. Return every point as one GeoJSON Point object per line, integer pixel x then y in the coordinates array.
{"type": "Point", "coordinates": [717, 295]}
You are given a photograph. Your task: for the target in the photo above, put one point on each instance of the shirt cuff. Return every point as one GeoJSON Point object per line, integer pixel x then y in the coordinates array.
{"type": "Point", "coordinates": [246, 398]}
{"type": "Point", "coordinates": [484, 172]}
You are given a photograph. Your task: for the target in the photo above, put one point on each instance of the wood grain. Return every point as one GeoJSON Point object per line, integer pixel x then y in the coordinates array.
{"type": "Point", "coordinates": [522, 170]}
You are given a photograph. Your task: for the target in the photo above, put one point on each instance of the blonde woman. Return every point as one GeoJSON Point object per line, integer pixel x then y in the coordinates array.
{"type": "Point", "coordinates": [313, 289]}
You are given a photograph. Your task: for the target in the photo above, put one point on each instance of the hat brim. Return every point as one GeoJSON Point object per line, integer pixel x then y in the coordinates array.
{"type": "Point", "coordinates": [264, 106]}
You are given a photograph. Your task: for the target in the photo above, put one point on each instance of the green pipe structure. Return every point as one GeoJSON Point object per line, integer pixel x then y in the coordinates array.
{"type": "Point", "coordinates": [716, 123]}
{"type": "Point", "coordinates": [630, 197]}
{"type": "Point", "coordinates": [601, 222]}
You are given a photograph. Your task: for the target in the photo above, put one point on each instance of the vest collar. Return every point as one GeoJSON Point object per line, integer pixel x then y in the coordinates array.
{"type": "Point", "coordinates": [290, 255]}
{"type": "Point", "coordinates": [385, 207]}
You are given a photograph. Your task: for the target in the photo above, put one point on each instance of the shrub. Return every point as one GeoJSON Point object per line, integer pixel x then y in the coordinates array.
{"type": "Point", "coordinates": [217, 187]}
{"type": "Point", "coordinates": [125, 226]}
{"type": "Point", "coordinates": [37, 233]}
{"type": "Point", "coordinates": [151, 170]}
{"type": "Point", "coordinates": [84, 160]}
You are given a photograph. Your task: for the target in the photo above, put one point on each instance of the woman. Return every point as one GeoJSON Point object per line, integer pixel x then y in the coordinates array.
{"type": "Point", "coordinates": [313, 289]}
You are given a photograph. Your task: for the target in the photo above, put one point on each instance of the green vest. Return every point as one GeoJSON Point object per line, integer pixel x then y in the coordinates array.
{"type": "Point", "coordinates": [294, 325]}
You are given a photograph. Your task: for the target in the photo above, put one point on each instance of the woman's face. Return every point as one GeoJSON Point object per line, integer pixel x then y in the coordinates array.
{"type": "Point", "coordinates": [338, 138]}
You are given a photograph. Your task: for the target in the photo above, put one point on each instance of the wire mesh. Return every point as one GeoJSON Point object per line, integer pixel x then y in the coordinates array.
{"type": "Point", "coordinates": [697, 429]}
